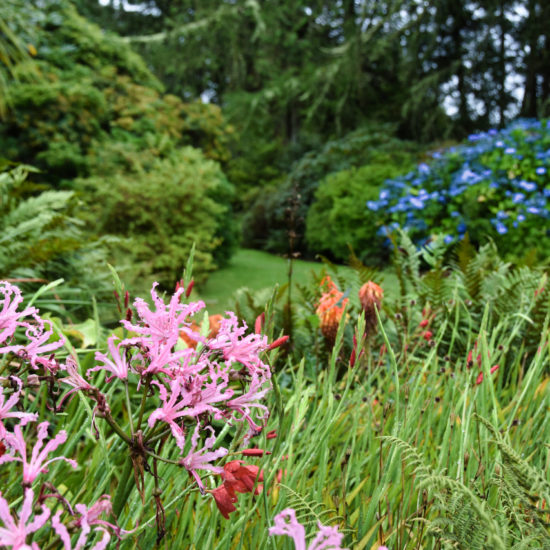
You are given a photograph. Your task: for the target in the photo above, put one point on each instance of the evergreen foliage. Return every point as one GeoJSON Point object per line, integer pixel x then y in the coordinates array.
{"type": "Point", "coordinates": [97, 116]}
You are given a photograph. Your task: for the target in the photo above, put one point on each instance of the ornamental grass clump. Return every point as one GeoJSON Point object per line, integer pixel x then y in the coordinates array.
{"type": "Point", "coordinates": [166, 403]}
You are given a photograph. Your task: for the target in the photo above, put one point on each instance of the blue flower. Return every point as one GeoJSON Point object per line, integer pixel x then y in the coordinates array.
{"type": "Point", "coordinates": [384, 194]}
{"type": "Point", "coordinates": [423, 168]}
{"type": "Point", "coordinates": [533, 210]}
{"type": "Point", "coordinates": [540, 170]}
{"type": "Point", "coordinates": [448, 239]}
{"type": "Point", "coordinates": [416, 202]}
{"type": "Point", "coordinates": [518, 197]}
{"type": "Point", "coordinates": [373, 205]}
{"type": "Point", "coordinates": [501, 215]}
{"type": "Point", "coordinates": [527, 185]}
{"type": "Point", "coordinates": [499, 144]}
{"type": "Point", "coordinates": [500, 227]}
{"type": "Point", "coordinates": [461, 227]}
{"type": "Point", "coordinates": [510, 150]}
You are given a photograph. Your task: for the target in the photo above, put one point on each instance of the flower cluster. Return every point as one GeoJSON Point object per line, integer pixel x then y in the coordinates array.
{"type": "Point", "coordinates": [190, 387]}
{"type": "Point", "coordinates": [497, 184]}
{"type": "Point", "coordinates": [35, 354]}
{"type": "Point", "coordinates": [326, 538]}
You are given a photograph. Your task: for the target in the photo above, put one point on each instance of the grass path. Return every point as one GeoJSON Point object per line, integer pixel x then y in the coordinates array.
{"type": "Point", "coordinates": [254, 270]}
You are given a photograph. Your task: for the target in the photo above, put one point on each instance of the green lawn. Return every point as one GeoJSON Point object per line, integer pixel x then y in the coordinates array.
{"type": "Point", "coordinates": [254, 270]}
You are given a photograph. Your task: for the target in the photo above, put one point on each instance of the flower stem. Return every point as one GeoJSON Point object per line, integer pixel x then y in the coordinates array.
{"type": "Point", "coordinates": [143, 401]}
{"type": "Point", "coordinates": [129, 407]}
{"type": "Point", "coordinates": [119, 431]}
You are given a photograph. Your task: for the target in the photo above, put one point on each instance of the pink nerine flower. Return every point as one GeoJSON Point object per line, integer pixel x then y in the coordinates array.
{"type": "Point", "coordinates": [14, 533]}
{"type": "Point", "coordinates": [118, 367]}
{"type": "Point", "coordinates": [286, 523]}
{"type": "Point", "coordinates": [6, 405]}
{"type": "Point", "coordinates": [9, 314]}
{"type": "Point", "coordinates": [190, 399]}
{"type": "Point", "coordinates": [239, 348]}
{"type": "Point", "coordinates": [245, 403]}
{"type": "Point", "coordinates": [73, 379]}
{"type": "Point", "coordinates": [38, 462]}
{"type": "Point", "coordinates": [38, 345]}
{"type": "Point", "coordinates": [88, 517]}
{"type": "Point", "coordinates": [200, 460]}
{"type": "Point", "coordinates": [166, 321]}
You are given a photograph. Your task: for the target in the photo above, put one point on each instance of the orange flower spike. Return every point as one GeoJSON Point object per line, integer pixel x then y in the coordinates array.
{"type": "Point", "coordinates": [370, 296]}
{"type": "Point", "coordinates": [330, 309]}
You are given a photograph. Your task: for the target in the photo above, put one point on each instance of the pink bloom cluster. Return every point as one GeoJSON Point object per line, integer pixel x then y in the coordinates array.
{"type": "Point", "coordinates": [37, 330]}
{"type": "Point", "coordinates": [187, 395]}
{"type": "Point", "coordinates": [327, 538]}
{"type": "Point", "coordinates": [221, 379]}
{"type": "Point", "coordinates": [36, 353]}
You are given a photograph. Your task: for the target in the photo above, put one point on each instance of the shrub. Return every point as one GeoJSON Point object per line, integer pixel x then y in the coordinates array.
{"type": "Point", "coordinates": [495, 186]}
{"type": "Point", "coordinates": [266, 223]}
{"type": "Point", "coordinates": [162, 209]}
{"type": "Point", "coordinates": [336, 217]}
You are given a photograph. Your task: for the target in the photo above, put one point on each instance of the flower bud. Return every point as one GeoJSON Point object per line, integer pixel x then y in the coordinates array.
{"type": "Point", "coordinates": [370, 296]}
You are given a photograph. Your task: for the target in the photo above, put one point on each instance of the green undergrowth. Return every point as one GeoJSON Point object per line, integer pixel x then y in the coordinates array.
{"type": "Point", "coordinates": [415, 445]}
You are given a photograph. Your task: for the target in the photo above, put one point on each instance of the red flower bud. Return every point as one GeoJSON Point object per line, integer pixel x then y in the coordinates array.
{"type": "Point", "coordinates": [279, 342]}
{"type": "Point", "coordinates": [255, 452]}
{"type": "Point", "coordinates": [427, 335]}
{"type": "Point", "coordinates": [189, 288]}
{"type": "Point", "coordinates": [479, 378]}
{"type": "Point", "coordinates": [271, 435]}
{"type": "Point", "coordinates": [424, 323]}
{"type": "Point", "coordinates": [259, 324]}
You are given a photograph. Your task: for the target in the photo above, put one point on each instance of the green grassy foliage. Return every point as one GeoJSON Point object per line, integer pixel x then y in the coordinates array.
{"type": "Point", "coordinates": [404, 448]}
{"type": "Point", "coordinates": [42, 239]}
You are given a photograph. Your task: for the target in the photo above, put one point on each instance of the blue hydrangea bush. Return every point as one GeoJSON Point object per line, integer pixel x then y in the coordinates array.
{"type": "Point", "coordinates": [495, 186]}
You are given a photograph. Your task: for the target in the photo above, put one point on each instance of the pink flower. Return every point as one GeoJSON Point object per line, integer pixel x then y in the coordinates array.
{"type": "Point", "coordinates": [6, 405]}
{"type": "Point", "coordinates": [119, 366]}
{"type": "Point", "coordinates": [286, 523]}
{"type": "Point", "coordinates": [9, 314]}
{"type": "Point", "coordinates": [236, 348]}
{"type": "Point", "coordinates": [200, 460]}
{"type": "Point", "coordinates": [190, 399]}
{"type": "Point", "coordinates": [171, 410]}
{"type": "Point", "coordinates": [38, 336]}
{"type": "Point", "coordinates": [251, 400]}
{"type": "Point", "coordinates": [88, 517]}
{"type": "Point", "coordinates": [162, 324]}
{"type": "Point", "coordinates": [14, 533]}
{"type": "Point", "coordinates": [73, 379]}
{"type": "Point", "coordinates": [38, 462]}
